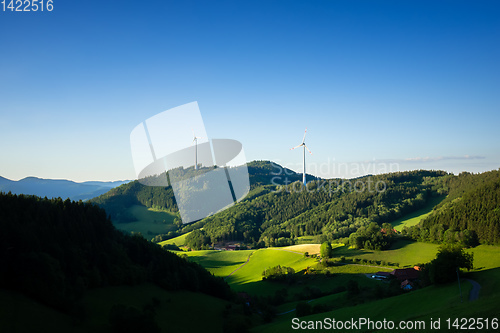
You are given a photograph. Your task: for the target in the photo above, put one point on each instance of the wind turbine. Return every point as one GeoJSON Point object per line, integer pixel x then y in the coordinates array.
{"type": "Point", "coordinates": [195, 140]}
{"type": "Point", "coordinates": [303, 144]}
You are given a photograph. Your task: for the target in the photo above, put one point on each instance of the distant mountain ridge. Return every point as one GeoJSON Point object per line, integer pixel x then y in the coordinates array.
{"type": "Point", "coordinates": [54, 188]}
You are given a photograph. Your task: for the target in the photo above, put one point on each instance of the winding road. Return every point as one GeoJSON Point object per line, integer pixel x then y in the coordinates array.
{"type": "Point", "coordinates": [474, 293]}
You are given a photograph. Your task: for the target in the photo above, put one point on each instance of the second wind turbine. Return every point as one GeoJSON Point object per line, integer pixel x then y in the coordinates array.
{"type": "Point", "coordinates": [195, 141]}
{"type": "Point", "coordinates": [303, 144]}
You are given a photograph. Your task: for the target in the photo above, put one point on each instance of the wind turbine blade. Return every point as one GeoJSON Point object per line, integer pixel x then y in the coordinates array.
{"type": "Point", "coordinates": [308, 150]}
{"type": "Point", "coordinates": [305, 132]}
{"type": "Point", "coordinates": [297, 146]}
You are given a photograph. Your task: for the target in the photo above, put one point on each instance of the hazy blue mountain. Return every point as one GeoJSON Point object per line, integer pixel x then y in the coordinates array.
{"type": "Point", "coordinates": [53, 188]}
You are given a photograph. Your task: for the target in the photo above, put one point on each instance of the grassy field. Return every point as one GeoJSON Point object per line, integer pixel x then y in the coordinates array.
{"type": "Point", "coordinates": [19, 313]}
{"type": "Point", "coordinates": [174, 314]}
{"type": "Point", "coordinates": [149, 222]}
{"type": "Point", "coordinates": [265, 258]}
{"type": "Point", "coordinates": [415, 217]}
{"type": "Point", "coordinates": [249, 277]}
{"type": "Point", "coordinates": [303, 248]}
{"type": "Point", "coordinates": [435, 301]}
{"type": "Point", "coordinates": [487, 270]}
{"type": "Point", "coordinates": [424, 304]}
{"type": "Point", "coordinates": [431, 302]}
{"type": "Point", "coordinates": [179, 240]}
{"type": "Point", "coordinates": [404, 252]}
{"type": "Point", "coordinates": [219, 263]}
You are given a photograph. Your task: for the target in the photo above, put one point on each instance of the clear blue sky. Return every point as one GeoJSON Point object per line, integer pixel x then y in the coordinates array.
{"type": "Point", "coordinates": [416, 83]}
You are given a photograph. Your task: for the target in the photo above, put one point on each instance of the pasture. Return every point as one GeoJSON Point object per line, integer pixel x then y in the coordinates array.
{"type": "Point", "coordinates": [208, 309]}
{"type": "Point", "coordinates": [303, 248]}
{"type": "Point", "coordinates": [174, 313]}
{"type": "Point", "coordinates": [219, 263]}
{"type": "Point", "coordinates": [149, 222]}
{"type": "Point", "coordinates": [179, 240]}
{"type": "Point", "coordinates": [418, 215]}
{"type": "Point", "coordinates": [404, 252]}
{"type": "Point", "coordinates": [248, 277]}
{"type": "Point", "coordinates": [435, 302]}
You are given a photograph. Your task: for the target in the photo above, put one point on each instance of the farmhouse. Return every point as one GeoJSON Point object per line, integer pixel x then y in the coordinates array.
{"type": "Point", "coordinates": [405, 274]}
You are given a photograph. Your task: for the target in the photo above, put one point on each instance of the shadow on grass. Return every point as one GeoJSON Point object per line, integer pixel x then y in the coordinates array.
{"type": "Point", "coordinates": [346, 252]}
{"type": "Point", "coordinates": [400, 243]}
{"type": "Point", "coordinates": [208, 263]}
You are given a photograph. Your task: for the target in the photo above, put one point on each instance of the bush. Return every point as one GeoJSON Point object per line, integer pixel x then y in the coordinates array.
{"type": "Point", "coordinates": [449, 259]}
{"type": "Point", "coordinates": [326, 250]}
{"type": "Point", "coordinates": [277, 273]}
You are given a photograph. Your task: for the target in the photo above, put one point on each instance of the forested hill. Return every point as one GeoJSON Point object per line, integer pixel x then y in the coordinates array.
{"type": "Point", "coordinates": [279, 209]}
{"type": "Point", "coordinates": [331, 208]}
{"type": "Point", "coordinates": [470, 214]}
{"type": "Point", "coordinates": [54, 250]}
{"type": "Point", "coordinates": [117, 200]}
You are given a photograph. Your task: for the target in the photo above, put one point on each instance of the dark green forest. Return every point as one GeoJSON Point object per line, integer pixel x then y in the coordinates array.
{"type": "Point", "coordinates": [55, 250]}
{"type": "Point", "coordinates": [469, 215]}
{"type": "Point", "coordinates": [334, 209]}
{"type": "Point", "coordinates": [279, 209]}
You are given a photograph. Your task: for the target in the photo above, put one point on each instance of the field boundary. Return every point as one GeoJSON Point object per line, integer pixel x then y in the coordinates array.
{"type": "Point", "coordinates": [246, 262]}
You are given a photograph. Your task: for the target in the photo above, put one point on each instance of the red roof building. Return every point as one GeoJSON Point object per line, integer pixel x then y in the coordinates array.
{"type": "Point", "coordinates": [405, 274]}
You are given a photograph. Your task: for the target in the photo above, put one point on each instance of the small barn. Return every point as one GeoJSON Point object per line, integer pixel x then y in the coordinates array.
{"type": "Point", "coordinates": [405, 274]}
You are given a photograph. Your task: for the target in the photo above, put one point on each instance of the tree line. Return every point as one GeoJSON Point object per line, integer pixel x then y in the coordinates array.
{"type": "Point", "coordinates": [471, 215]}
{"type": "Point", "coordinates": [53, 250]}
{"type": "Point", "coordinates": [278, 217]}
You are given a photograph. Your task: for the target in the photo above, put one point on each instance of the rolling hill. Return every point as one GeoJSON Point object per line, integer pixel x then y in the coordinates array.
{"type": "Point", "coordinates": [59, 252]}
{"type": "Point", "coordinates": [54, 188]}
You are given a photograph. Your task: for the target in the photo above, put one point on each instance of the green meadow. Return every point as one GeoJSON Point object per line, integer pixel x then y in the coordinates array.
{"type": "Point", "coordinates": [219, 263]}
{"type": "Point", "coordinates": [97, 304]}
{"type": "Point", "coordinates": [179, 240]}
{"type": "Point", "coordinates": [417, 305]}
{"type": "Point", "coordinates": [434, 301]}
{"type": "Point", "coordinates": [149, 222]}
{"type": "Point", "coordinates": [418, 215]}
{"type": "Point", "coordinates": [208, 309]}
{"type": "Point", "coordinates": [406, 253]}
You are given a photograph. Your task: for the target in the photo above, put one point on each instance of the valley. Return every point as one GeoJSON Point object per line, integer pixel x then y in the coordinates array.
{"type": "Point", "coordinates": [261, 263]}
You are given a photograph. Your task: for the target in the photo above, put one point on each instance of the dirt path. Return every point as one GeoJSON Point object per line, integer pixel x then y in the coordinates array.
{"type": "Point", "coordinates": [474, 293]}
{"type": "Point", "coordinates": [246, 262]}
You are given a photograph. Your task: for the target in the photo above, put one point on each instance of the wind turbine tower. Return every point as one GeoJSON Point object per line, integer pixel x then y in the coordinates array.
{"type": "Point", "coordinates": [304, 147]}
{"type": "Point", "coordinates": [195, 140]}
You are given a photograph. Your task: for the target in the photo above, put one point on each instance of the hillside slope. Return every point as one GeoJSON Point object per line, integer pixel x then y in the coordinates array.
{"type": "Point", "coordinates": [54, 250]}
{"type": "Point", "coordinates": [472, 216]}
